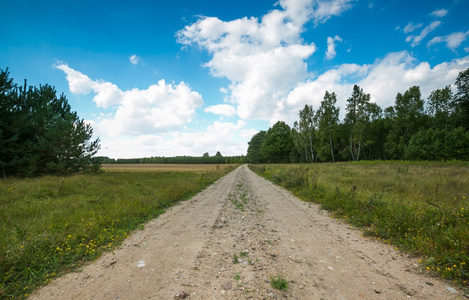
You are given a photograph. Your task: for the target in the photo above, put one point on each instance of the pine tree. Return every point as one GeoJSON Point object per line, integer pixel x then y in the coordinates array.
{"type": "Point", "coordinates": [40, 134]}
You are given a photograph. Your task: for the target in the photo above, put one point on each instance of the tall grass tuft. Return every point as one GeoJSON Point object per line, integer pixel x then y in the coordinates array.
{"type": "Point", "coordinates": [421, 208]}
{"type": "Point", "coordinates": [53, 225]}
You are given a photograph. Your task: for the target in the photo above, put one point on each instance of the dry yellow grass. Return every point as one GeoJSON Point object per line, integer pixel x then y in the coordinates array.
{"type": "Point", "coordinates": [164, 167]}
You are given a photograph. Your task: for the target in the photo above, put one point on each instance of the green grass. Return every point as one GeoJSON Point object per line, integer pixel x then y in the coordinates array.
{"type": "Point", "coordinates": [279, 283]}
{"type": "Point", "coordinates": [240, 198]}
{"type": "Point", "coordinates": [53, 225]}
{"type": "Point", "coordinates": [237, 204]}
{"type": "Point", "coordinates": [243, 254]}
{"type": "Point", "coordinates": [244, 198]}
{"type": "Point", "coordinates": [420, 208]}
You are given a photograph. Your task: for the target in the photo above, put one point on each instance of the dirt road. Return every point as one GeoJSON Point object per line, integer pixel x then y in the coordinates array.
{"type": "Point", "coordinates": [229, 240]}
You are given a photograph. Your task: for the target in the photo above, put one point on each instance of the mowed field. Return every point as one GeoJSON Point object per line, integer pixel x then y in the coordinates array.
{"type": "Point", "coordinates": [164, 167]}
{"type": "Point", "coordinates": [53, 225]}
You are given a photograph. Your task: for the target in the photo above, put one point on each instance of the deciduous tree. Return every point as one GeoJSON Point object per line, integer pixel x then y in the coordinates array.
{"type": "Point", "coordinates": [327, 118]}
{"type": "Point", "coordinates": [462, 98]}
{"type": "Point", "coordinates": [277, 144]}
{"type": "Point", "coordinates": [306, 132]}
{"type": "Point", "coordinates": [407, 120]}
{"type": "Point", "coordinates": [360, 113]}
{"type": "Point", "coordinates": [254, 154]}
{"type": "Point", "coordinates": [440, 107]}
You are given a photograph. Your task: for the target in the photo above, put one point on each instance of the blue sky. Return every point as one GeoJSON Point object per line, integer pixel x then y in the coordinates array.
{"type": "Point", "coordinates": [185, 77]}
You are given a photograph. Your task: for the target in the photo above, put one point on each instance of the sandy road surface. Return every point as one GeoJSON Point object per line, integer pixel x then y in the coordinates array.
{"type": "Point", "coordinates": [191, 248]}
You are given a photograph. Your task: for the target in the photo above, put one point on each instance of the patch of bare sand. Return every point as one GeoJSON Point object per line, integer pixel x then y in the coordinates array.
{"type": "Point", "coordinates": [228, 242]}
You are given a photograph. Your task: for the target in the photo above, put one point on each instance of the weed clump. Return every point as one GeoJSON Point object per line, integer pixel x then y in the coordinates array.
{"type": "Point", "coordinates": [279, 283]}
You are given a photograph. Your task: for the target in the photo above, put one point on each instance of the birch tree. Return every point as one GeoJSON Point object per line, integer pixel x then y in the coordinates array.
{"type": "Point", "coordinates": [306, 128]}
{"type": "Point", "coordinates": [360, 114]}
{"type": "Point", "coordinates": [327, 118]}
{"type": "Point", "coordinates": [462, 98]}
{"type": "Point", "coordinates": [440, 107]}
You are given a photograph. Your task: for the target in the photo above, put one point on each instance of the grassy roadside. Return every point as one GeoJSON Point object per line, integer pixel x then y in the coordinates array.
{"type": "Point", "coordinates": [53, 225]}
{"type": "Point", "coordinates": [421, 208]}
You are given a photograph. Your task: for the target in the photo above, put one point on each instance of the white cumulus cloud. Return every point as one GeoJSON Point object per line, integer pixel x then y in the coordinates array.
{"type": "Point", "coordinates": [226, 137]}
{"type": "Point", "coordinates": [78, 83]}
{"type": "Point", "coordinates": [221, 109]}
{"type": "Point", "coordinates": [107, 94]}
{"type": "Point", "coordinates": [331, 52]}
{"type": "Point", "coordinates": [395, 73]}
{"type": "Point", "coordinates": [159, 108]}
{"type": "Point", "coordinates": [264, 59]}
{"type": "Point", "coordinates": [223, 90]}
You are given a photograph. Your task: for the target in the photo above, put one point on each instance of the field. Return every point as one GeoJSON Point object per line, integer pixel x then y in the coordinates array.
{"type": "Point", "coordinates": [246, 238]}
{"type": "Point", "coordinates": [200, 168]}
{"type": "Point", "coordinates": [50, 226]}
{"type": "Point", "coordinates": [421, 208]}
{"type": "Point", "coordinates": [53, 225]}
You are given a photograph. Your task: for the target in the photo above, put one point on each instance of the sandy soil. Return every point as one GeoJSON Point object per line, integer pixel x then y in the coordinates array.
{"type": "Point", "coordinates": [191, 248]}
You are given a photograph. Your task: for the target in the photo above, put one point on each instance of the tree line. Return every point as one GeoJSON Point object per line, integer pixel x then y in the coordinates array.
{"type": "Point", "coordinates": [411, 129]}
{"type": "Point", "coordinates": [40, 134]}
{"type": "Point", "coordinates": [204, 159]}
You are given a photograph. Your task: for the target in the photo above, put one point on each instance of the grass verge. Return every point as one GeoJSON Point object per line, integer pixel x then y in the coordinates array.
{"type": "Point", "coordinates": [53, 225]}
{"type": "Point", "coordinates": [421, 208]}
